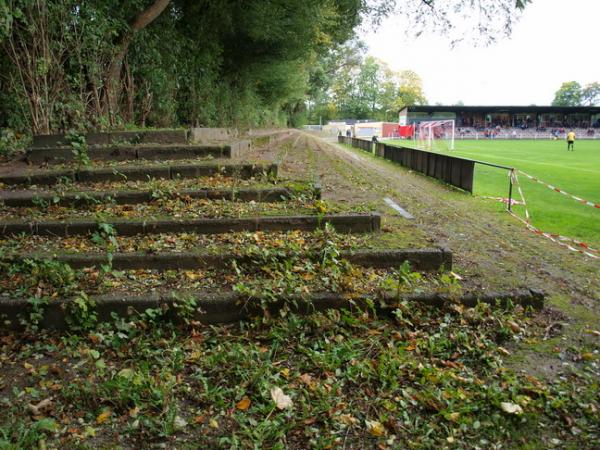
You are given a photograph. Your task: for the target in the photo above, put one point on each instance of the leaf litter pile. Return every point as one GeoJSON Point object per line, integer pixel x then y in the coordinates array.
{"type": "Point", "coordinates": [230, 243]}
{"type": "Point", "coordinates": [421, 378]}
{"type": "Point", "coordinates": [291, 264]}
{"type": "Point", "coordinates": [158, 185]}
{"type": "Point", "coordinates": [181, 207]}
{"type": "Point", "coordinates": [208, 160]}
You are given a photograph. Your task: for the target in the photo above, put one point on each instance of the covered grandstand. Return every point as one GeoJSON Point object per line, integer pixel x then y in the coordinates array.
{"type": "Point", "coordinates": [525, 122]}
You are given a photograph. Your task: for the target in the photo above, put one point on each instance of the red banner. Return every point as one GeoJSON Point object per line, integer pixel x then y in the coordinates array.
{"type": "Point", "coordinates": [406, 131]}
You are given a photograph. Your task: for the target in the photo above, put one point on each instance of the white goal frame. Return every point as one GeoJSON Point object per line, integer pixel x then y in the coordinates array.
{"type": "Point", "coordinates": [426, 131]}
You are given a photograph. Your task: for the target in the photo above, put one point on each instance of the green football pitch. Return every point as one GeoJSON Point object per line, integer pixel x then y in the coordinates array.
{"type": "Point", "coordinates": [577, 173]}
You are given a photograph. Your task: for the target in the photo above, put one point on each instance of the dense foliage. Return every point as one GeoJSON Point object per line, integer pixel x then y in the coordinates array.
{"type": "Point", "coordinates": [103, 63]}
{"type": "Point", "coordinates": [98, 63]}
{"type": "Point", "coordinates": [345, 84]}
{"type": "Point", "coordinates": [571, 93]}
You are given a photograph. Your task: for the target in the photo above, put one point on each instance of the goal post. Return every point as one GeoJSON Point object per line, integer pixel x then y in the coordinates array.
{"type": "Point", "coordinates": [437, 134]}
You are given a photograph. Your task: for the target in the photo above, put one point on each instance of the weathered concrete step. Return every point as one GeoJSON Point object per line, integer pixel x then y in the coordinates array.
{"type": "Point", "coordinates": [204, 134]}
{"type": "Point", "coordinates": [138, 173]}
{"type": "Point", "coordinates": [115, 137]}
{"type": "Point", "coordinates": [343, 223]}
{"type": "Point", "coordinates": [57, 155]}
{"type": "Point", "coordinates": [211, 308]}
{"type": "Point", "coordinates": [426, 259]}
{"type": "Point", "coordinates": [30, 198]}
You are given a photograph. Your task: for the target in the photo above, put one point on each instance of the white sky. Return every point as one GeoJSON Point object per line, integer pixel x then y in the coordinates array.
{"type": "Point", "coordinates": [554, 41]}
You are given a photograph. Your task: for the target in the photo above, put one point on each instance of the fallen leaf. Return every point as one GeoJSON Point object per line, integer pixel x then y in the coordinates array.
{"type": "Point", "coordinates": [511, 408]}
{"type": "Point", "coordinates": [503, 351]}
{"type": "Point", "coordinates": [460, 309]}
{"type": "Point", "coordinates": [243, 404]}
{"type": "Point", "coordinates": [103, 416]}
{"type": "Point", "coordinates": [192, 276]}
{"type": "Point", "coordinates": [179, 423]}
{"type": "Point", "coordinates": [40, 408]}
{"type": "Point", "coordinates": [514, 326]}
{"type": "Point", "coordinates": [281, 400]}
{"type": "Point", "coordinates": [213, 423]}
{"type": "Point", "coordinates": [126, 373]}
{"type": "Point", "coordinates": [348, 419]}
{"type": "Point", "coordinates": [375, 428]}
{"type": "Point", "coordinates": [306, 379]}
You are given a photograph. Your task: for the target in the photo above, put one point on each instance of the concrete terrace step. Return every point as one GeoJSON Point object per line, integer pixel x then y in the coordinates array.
{"type": "Point", "coordinates": [426, 259]}
{"type": "Point", "coordinates": [30, 198]}
{"type": "Point", "coordinates": [57, 155]}
{"type": "Point", "coordinates": [138, 173]}
{"type": "Point", "coordinates": [343, 223]}
{"type": "Point", "coordinates": [116, 137]}
{"type": "Point", "coordinates": [213, 308]}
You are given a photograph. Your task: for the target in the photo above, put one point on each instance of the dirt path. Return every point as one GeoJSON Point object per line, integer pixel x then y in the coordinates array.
{"type": "Point", "coordinates": [484, 241]}
{"type": "Point", "coordinates": [492, 250]}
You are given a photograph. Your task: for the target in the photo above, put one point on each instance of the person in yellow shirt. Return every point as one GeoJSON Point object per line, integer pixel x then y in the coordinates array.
{"type": "Point", "coordinates": [571, 140]}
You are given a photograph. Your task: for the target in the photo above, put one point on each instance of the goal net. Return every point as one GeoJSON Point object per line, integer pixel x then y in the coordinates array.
{"type": "Point", "coordinates": [436, 135]}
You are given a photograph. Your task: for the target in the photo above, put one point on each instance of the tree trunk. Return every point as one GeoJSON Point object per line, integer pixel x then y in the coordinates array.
{"type": "Point", "coordinates": [113, 79]}
{"type": "Point", "coordinates": [130, 93]}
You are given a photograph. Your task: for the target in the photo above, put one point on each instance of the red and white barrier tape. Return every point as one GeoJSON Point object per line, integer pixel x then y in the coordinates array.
{"type": "Point", "coordinates": [564, 241]}
{"type": "Point", "coordinates": [560, 191]}
{"type": "Point", "coordinates": [505, 200]}
{"type": "Point", "coordinates": [515, 180]}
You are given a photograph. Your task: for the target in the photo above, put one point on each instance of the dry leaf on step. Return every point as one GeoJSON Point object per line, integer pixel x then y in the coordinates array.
{"type": "Point", "coordinates": [281, 400]}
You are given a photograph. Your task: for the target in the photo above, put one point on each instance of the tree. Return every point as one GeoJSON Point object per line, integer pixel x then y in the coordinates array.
{"type": "Point", "coordinates": [193, 61]}
{"type": "Point", "coordinates": [368, 91]}
{"type": "Point", "coordinates": [569, 94]}
{"type": "Point", "coordinates": [487, 19]}
{"type": "Point", "coordinates": [113, 78]}
{"type": "Point", "coordinates": [102, 63]}
{"type": "Point", "coordinates": [410, 90]}
{"type": "Point", "coordinates": [371, 90]}
{"type": "Point", "coordinates": [65, 58]}
{"type": "Point", "coordinates": [324, 72]}
{"type": "Point", "coordinates": [590, 94]}
{"type": "Point", "coordinates": [401, 89]}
